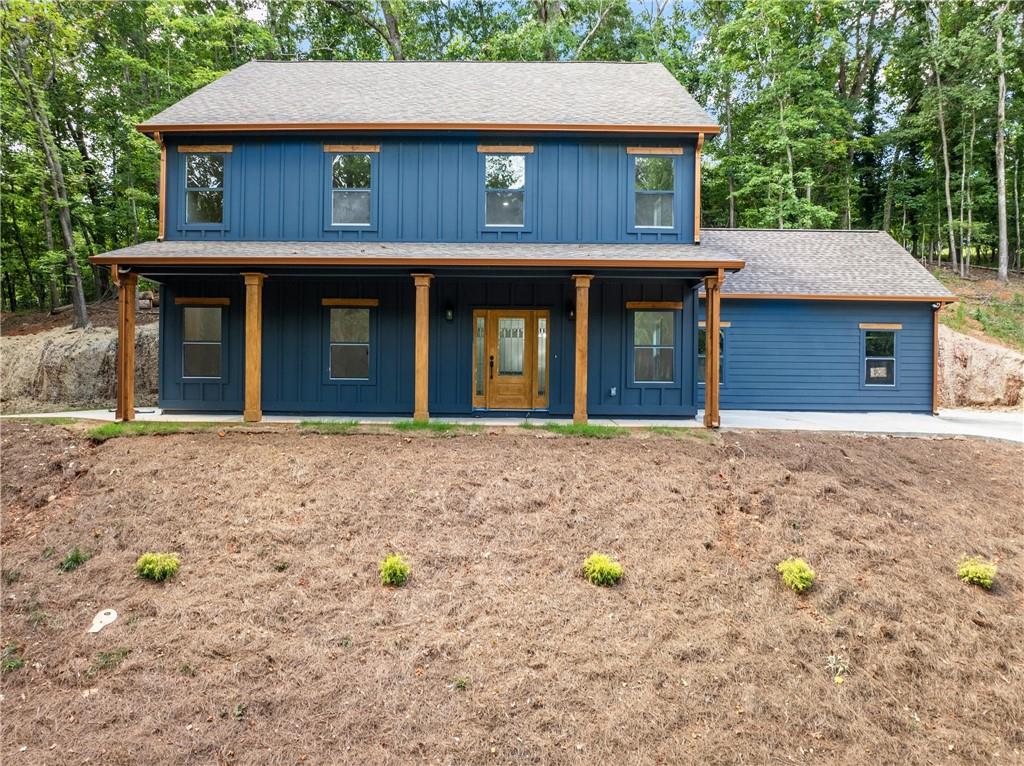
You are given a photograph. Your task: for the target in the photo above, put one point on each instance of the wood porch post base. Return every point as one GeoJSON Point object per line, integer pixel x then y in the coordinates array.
{"type": "Point", "coordinates": [253, 412]}
{"type": "Point", "coordinates": [712, 329]}
{"type": "Point", "coordinates": [125, 405]}
{"type": "Point", "coordinates": [421, 411]}
{"type": "Point", "coordinates": [579, 414]}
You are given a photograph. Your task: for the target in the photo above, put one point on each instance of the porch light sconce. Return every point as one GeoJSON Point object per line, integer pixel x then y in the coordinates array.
{"type": "Point", "coordinates": [570, 311]}
{"type": "Point", "coordinates": [449, 313]}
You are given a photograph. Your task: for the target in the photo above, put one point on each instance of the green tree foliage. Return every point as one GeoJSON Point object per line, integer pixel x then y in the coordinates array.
{"type": "Point", "coordinates": [829, 108]}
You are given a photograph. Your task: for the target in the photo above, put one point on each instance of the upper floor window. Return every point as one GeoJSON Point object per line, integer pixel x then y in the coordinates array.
{"type": "Point", "coordinates": [504, 189]}
{"type": "Point", "coordinates": [654, 183]}
{"type": "Point", "coordinates": [351, 189]}
{"type": "Point", "coordinates": [879, 358]}
{"type": "Point", "coordinates": [204, 188]}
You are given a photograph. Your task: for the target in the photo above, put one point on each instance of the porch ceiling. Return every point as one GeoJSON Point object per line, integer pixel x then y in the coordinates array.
{"type": "Point", "coordinates": [418, 254]}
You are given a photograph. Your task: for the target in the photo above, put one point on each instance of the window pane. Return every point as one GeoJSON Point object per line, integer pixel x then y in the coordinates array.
{"type": "Point", "coordinates": [350, 361]}
{"type": "Point", "coordinates": [201, 323]}
{"type": "Point", "coordinates": [879, 343]}
{"type": "Point", "coordinates": [350, 325]}
{"type": "Point", "coordinates": [702, 372]}
{"type": "Point", "coordinates": [653, 365]}
{"type": "Point", "coordinates": [504, 208]}
{"type": "Point", "coordinates": [542, 355]}
{"type": "Point", "coordinates": [505, 171]}
{"type": "Point", "coordinates": [654, 328]}
{"type": "Point", "coordinates": [702, 342]}
{"type": "Point", "coordinates": [480, 354]}
{"type": "Point", "coordinates": [511, 345]}
{"type": "Point", "coordinates": [654, 209]}
{"type": "Point", "coordinates": [204, 206]}
{"type": "Point", "coordinates": [204, 171]}
{"type": "Point", "coordinates": [880, 372]}
{"type": "Point", "coordinates": [351, 207]}
{"type": "Point", "coordinates": [201, 360]}
{"type": "Point", "coordinates": [352, 171]}
{"type": "Point", "coordinates": [655, 173]}
{"type": "Point", "coordinates": [702, 353]}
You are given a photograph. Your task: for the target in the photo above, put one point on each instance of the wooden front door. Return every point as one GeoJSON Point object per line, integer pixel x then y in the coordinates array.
{"type": "Point", "coordinates": [510, 359]}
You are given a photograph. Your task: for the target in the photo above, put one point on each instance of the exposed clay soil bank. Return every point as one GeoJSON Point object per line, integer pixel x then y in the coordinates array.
{"type": "Point", "coordinates": [275, 644]}
{"type": "Point", "coordinates": [975, 373]}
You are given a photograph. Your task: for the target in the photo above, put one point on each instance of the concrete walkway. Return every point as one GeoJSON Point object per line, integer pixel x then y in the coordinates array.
{"type": "Point", "coordinates": [1003, 425]}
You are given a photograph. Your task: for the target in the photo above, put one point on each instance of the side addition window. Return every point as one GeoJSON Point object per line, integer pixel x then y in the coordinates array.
{"type": "Point", "coordinates": [204, 188]}
{"type": "Point", "coordinates": [504, 189]}
{"type": "Point", "coordinates": [654, 346]}
{"type": "Point", "coordinates": [351, 190]}
{"type": "Point", "coordinates": [879, 358]}
{"type": "Point", "coordinates": [201, 342]}
{"type": "Point", "coordinates": [350, 344]}
{"type": "Point", "coordinates": [702, 355]}
{"type": "Point", "coordinates": [654, 183]}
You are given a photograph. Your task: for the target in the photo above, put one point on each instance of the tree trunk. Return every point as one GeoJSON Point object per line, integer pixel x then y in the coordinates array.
{"type": "Point", "coordinates": [945, 162]}
{"type": "Point", "coordinates": [1004, 250]}
{"type": "Point", "coordinates": [1016, 208]}
{"type": "Point", "coordinates": [37, 289]}
{"type": "Point", "coordinates": [21, 71]}
{"type": "Point", "coordinates": [728, 152]}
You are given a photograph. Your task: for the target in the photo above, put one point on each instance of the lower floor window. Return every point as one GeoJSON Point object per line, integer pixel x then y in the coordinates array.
{"type": "Point", "coordinates": [879, 358]}
{"type": "Point", "coordinates": [702, 355]}
{"type": "Point", "coordinates": [350, 344]}
{"type": "Point", "coordinates": [201, 342]}
{"type": "Point", "coordinates": [654, 346]}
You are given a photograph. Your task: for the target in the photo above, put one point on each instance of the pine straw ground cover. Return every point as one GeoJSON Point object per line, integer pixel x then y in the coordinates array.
{"type": "Point", "coordinates": [276, 644]}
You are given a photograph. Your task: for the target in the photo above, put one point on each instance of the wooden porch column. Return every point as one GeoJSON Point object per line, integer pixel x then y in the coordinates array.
{"type": "Point", "coordinates": [126, 284]}
{"type": "Point", "coordinates": [579, 414]}
{"type": "Point", "coordinates": [420, 405]}
{"type": "Point", "coordinates": [712, 329]}
{"type": "Point", "coordinates": [253, 347]}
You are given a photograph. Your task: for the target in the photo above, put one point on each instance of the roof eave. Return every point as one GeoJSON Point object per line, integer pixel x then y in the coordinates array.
{"type": "Point", "coordinates": [264, 127]}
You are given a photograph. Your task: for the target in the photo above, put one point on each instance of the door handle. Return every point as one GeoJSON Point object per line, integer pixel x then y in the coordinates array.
{"type": "Point", "coordinates": [492, 368]}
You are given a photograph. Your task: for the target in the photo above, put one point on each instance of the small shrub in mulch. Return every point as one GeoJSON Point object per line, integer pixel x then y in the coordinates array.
{"type": "Point", "coordinates": [157, 566]}
{"type": "Point", "coordinates": [73, 560]}
{"type": "Point", "coordinates": [975, 570]}
{"type": "Point", "coordinates": [796, 573]}
{"type": "Point", "coordinates": [602, 570]}
{"type": "Point", "coordinates": [394, 571]}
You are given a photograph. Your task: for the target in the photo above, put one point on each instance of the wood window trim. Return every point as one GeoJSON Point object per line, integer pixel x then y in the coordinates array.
{"type": "Point", "coordinates": [880, 326]}
{"type": "Point", "coordinates": [665, 305]}
{"type": "Point", "coordinates": [205, 148]}
{"type": "Point", "coordinates": [499, 149]}
{"type": "Point", "coordinates": [350, 302]}
{"type": "Point", "coordinates": [655, 150]}
{"type": "Point", "coordinates": [182, 301]}
{"type": "Point", "coordinates": [352, 148]}
{"type": "Point", "coordinates": [702, 324]}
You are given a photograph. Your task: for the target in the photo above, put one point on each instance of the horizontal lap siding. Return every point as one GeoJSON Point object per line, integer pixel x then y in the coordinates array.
{"type": "Point", "coordinates": [429, 190]}
{"type": "Point", "coordinates": [807, 355]}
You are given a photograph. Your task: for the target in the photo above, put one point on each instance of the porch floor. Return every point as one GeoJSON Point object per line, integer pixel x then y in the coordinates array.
{"type": "Point", "coordinates": [1006, 425]}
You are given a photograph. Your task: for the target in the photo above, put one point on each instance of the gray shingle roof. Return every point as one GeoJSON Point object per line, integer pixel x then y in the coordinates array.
{"type": "Point", "coordinates": [451, 93]}
{"type": "Point", "coordinates": [420, 254]}
{"type": "Point", "coordinates": [825, 262]}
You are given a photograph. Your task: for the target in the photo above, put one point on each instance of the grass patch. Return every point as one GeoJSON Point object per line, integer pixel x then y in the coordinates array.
{"type": "Point", "coordinates": [106, 431]}
{"type": "Point", "coordinates": [986, 307]}
{"type": "Point", "coordinates": [602, 570]}
{"type": "Point", "coordinates": [681, 432]}
{"type": "Point", "coordinates": [50, 421]}
{"type": "Point", "coordinates": [107, 661]}
{"type": "Point", "coordinates": [434, 426]}
{"type": "Point", "coordinates": [580, 429]}
{"type": "Point", "coordinates": [73, 560]}
{"type": "Point", "coordinates": [394, 571]}
{"type": "Point", "coordinates": [329, 426]}
{"type": "Point", "coordinates": [157, 566]}
{"type": "Point", "coordinates": [975, 570]}
{"type": "Point", "coordinates": [796, 573]}
{"type": "Point", "coordinates": [10, 659]}
{"type": "Point", "coordinates": [11, 576]}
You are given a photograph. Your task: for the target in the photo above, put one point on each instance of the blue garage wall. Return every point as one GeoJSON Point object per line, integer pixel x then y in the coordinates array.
{"type": "Point", "coordinates": [807, 355]}
{"type": "Point", "coordinates": [429, 190]}
{"type": "Point", "coordinates": [225, 394]}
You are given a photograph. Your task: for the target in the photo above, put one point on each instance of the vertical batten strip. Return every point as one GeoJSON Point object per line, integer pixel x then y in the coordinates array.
{"type": "Point", "coordinates": [421, 409]}
{"type": "Point", "coordinates": [253, 346]}
{"type": "Point", "coordinates": [582, 281]}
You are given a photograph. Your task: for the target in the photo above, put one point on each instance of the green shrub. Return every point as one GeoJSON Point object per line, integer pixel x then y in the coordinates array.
{"type": "Point", "coordinates": [796, 573]}
{"type": "Point", "coordinates": [73, 560]}
{"type": "Point", "coordinates": [394, 571]}
{"type": "Point", "coordinates": [975, 570]}
{"type": "Point", "coordinates": [157, 566]}
{"type": "Point", "coordinates": [602, 570]}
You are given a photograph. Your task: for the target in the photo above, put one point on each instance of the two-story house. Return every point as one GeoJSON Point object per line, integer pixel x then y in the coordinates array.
{"type": "Point", "coordinates": [457, 238]}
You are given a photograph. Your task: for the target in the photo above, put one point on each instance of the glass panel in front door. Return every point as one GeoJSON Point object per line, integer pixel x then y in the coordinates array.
{"type": "Point", "coordinates": [511, 345]}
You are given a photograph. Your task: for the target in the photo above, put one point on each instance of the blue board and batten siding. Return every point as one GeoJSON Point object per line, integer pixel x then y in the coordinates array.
{"type": "Point", "coordinates": [430, 190]}
{"type": "Point", "coordinates": [809, 356]}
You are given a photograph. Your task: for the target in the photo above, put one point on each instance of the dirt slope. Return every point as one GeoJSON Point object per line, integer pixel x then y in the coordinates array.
{"type": "Point", "coordinates": [699, 656]}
